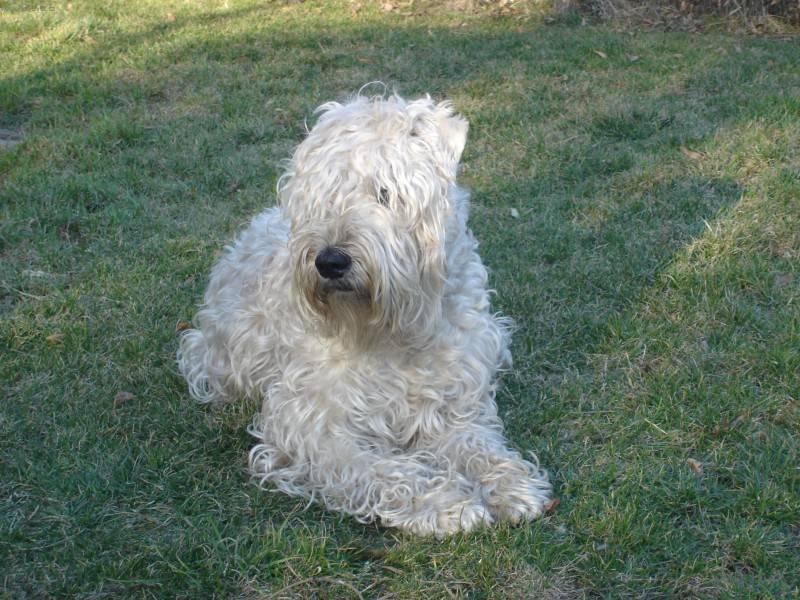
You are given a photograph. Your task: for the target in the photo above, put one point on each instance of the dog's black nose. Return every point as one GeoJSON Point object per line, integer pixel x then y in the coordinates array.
{"type": "Point", "coordinates": [332, 263]}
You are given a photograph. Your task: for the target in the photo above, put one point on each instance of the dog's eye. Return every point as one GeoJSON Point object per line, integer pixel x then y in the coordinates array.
{"type": "Point", "coordinates": [383, 197]}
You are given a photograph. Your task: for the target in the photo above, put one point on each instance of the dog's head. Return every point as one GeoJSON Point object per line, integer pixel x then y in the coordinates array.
{"type": "Point", "coordinates": [369, 199]}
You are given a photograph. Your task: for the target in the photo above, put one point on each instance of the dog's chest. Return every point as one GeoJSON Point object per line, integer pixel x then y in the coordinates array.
{"type": "Point", "coordinates": [397, 399]}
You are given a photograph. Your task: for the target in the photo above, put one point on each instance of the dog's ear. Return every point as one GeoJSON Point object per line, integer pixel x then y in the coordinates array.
{"type": "Point", "coordinates": [443, 129]}
{"type": "Point", "coordinates": [453, 130]}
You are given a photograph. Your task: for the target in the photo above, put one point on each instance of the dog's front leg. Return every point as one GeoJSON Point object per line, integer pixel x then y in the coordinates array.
{"type": "Point", "coordinates": [513, 488]}
{"type": "Point", "coordinates": [401, 490]}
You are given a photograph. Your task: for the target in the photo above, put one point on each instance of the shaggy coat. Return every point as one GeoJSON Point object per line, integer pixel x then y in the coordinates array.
{"type": "Point", "coordinates": [357, 313]}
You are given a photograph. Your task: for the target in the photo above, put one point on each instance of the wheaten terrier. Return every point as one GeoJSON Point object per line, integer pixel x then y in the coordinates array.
{"type": "Point", "coordinates": [357, 313]}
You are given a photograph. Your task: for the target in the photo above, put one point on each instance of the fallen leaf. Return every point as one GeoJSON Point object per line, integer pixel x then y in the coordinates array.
{"type": "Point", "coordinates": [723, 427]}
{"type": "Point", "coordinates": [740, 419]}
{"type": "Point", "coordinates": [183, 326]}
{"type": "Point", "coordinates": [55, 338]}
{"type": "Point", "coordinates": [122, 398]}
{"type": "Point", "coordinates": [694, 465]}
{"type": "Point", "coordinates": [633, 58]}
{"type": "Point", "coordinates": [600, 53]}
{"type": "Point", "coordinates": [692, 154]}
{"type": "Point", "coordinates": [514, 213]}
{"type": "Point", "coordinates": [551, 505]}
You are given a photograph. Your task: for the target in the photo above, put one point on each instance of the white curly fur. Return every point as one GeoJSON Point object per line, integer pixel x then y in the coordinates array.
{"type": "Point", "coordinates": [377, 389]}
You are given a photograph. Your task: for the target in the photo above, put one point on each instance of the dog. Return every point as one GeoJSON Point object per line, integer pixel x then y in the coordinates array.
{"type": "Point", "coordinates": [357, 313]}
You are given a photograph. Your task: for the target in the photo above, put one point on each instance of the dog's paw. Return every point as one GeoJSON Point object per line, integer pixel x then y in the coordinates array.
{"type": "Point", "coordinates": [518, 501]}
{"type": "Point", "coordinates": [462, 516]}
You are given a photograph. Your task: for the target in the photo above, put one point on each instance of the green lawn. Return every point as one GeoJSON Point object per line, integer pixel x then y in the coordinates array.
{"type": "Point", "coordinates": [652, 266]}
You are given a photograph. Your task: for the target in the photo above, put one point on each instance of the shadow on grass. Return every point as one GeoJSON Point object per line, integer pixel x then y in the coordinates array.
{"type": "Point", "coordinates": [560, 285]}
{"type": "Point", "coordinates": [177, 147]}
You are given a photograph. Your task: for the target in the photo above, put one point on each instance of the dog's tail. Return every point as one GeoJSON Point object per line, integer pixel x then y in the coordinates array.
{"type": "Point", "coordinates": [195, 363]}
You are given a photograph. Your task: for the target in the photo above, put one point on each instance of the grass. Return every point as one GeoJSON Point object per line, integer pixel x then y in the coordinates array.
{"type": "Point", "coordinates": [652, 270]}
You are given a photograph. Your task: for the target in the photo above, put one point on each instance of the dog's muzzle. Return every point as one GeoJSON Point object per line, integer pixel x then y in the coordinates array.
{"type": "Point", "coordinates": [332, 263]}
